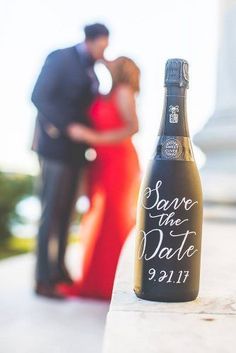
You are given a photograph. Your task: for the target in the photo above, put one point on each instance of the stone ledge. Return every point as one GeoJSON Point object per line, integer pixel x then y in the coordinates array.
{"type": "Point", "coordinates": [142, 332]}
{"type": "Point", "coordinates": [207, 324]}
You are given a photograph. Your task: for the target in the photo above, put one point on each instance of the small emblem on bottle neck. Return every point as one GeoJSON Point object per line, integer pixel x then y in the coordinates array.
{"type": "Point", "coordinates": [174, 116]}
{"type": "Point", "coordinates": [176, 148]}
{"type": "Point", "coordinates": [172, 148]}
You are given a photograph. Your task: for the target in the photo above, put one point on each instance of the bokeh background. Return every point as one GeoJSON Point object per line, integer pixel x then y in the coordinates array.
{"type": "Point", "coordinates": [150, 33]}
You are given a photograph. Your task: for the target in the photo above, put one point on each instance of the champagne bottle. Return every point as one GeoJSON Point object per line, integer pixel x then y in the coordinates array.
{"type": "Point", "coordinates": [169, 222]}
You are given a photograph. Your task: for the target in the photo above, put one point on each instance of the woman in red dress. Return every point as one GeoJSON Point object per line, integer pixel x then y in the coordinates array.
{"type": "Point", "coordinates": [113, 181]}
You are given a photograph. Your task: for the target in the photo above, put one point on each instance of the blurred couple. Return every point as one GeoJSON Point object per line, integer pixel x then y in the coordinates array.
{"type": "Point", "coordinates": [73, 116]}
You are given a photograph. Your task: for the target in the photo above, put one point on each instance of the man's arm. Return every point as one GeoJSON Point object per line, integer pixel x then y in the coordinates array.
{"type": "Point", "coordinates": [46, 91]}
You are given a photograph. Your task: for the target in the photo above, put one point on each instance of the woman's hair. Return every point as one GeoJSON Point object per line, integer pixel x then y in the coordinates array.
{"type": "Point", "coordinates": [124, 70]}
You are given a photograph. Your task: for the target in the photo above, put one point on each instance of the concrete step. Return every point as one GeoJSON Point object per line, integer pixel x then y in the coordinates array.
{"type": "Point", "coordinates": [30, 324]}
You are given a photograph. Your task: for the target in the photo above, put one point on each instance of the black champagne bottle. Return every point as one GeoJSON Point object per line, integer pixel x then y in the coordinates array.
{"type": "Point", "coordinates": [169, 222]}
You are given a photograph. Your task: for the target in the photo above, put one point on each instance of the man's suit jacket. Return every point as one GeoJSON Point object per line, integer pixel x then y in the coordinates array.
{"type": "Point", "coordinates": [62, 94]}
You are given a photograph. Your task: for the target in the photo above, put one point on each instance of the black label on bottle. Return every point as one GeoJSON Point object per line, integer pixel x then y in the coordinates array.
{"type": "Point", "coordinates": [174, 148]}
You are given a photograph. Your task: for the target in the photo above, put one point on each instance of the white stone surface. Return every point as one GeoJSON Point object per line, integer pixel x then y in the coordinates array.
{"type": "Point", "coordinates": [29, 324]}
{"type": "Point", "coordinates": [205, 325]}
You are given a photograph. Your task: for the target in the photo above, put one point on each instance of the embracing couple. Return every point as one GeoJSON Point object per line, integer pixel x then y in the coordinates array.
{"type": "Point", "coordinates": [73, 116]}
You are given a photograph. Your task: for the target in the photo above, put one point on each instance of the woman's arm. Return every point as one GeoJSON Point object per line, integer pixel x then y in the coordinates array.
{"type": "Point", "coordinates": [126, 104]}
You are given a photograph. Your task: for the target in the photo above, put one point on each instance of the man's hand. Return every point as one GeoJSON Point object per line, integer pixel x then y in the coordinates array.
{"type": "Point", "coordinates": [79, 133]}
{"type": "Point", "coordinates": [52, 131]}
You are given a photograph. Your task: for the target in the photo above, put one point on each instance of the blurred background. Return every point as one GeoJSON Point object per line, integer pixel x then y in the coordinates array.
{"type": "Point", "coordinates": [202, 32]}
{"type": "Point", "coordinates": [150, 34]}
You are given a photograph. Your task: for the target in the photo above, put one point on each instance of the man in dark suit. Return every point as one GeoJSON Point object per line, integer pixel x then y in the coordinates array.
{"type": "Point", "coordinates": [62, 94]}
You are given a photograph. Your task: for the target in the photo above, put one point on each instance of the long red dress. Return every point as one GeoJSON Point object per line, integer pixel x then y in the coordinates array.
{"type": "Point", "coordinates": [113, 189]}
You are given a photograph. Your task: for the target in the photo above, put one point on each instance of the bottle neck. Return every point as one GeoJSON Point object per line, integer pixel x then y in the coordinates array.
{"type": "Point", "coordinates": [174, 118]}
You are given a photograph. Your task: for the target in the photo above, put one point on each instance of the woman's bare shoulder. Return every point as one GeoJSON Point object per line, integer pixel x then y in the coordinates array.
{"type": "Point", "coordinates": [123, 92]}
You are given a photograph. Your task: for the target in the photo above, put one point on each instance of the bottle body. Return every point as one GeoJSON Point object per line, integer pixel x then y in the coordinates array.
{"type": "Point", "coordinates": [168, 242]}
{"type": "Point", "coordinates": [169, 219]}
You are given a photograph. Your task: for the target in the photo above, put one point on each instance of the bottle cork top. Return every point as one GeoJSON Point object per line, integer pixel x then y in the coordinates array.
{"type": "Point", "coordinates": [176, 73]}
